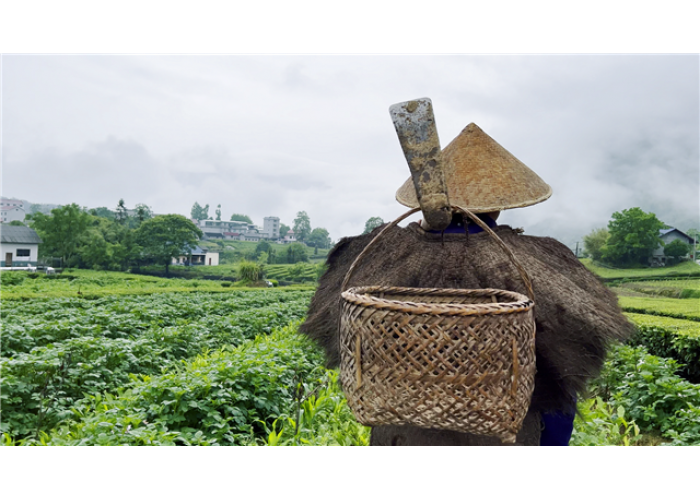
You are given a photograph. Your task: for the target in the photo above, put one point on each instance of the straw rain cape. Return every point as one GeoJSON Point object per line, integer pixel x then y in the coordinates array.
{"type": "Point", "coordinates": [576, 315]}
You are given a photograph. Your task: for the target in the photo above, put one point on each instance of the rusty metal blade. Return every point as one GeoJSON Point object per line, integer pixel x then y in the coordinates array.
{"type": "Point", "coordinates": [415, 125]}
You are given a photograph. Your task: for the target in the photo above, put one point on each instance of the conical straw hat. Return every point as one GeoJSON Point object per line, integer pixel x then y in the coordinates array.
{"type": "Point", "coordinates": [482, 176]}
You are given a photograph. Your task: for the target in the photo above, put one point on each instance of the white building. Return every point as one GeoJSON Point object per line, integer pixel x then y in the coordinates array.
{"type": "Point", "coordinates": [7, 203]}
{"type": "Point", "coordinates": [19, 246]}
{"type": "Point", "coordinates": [198, 257]}
{"type": "Point", "coordinates": [8, 215]}
{"type": "Point", "coordinates": [12, 209]}
{"type": "Point", "coordinates": [271, 228]}
{"type": "Point", "coordinates": [238, 230]}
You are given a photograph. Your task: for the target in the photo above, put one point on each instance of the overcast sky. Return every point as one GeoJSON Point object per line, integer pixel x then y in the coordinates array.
{"type": "Point", "coordinates": [274, 135]}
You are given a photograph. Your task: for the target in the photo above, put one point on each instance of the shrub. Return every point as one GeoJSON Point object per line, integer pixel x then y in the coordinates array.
{"type": "Point", "coordinates": [11, 278]}
{"type": "Point", "coordinates": [249, 271]}
{"type": "Point", "coordinates": [651, 393]}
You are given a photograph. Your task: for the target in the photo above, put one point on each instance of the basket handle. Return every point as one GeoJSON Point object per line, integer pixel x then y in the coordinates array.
{"type": "Point", "coordinates": [468, 213]}
{"type": "Point", "coordinates": [508, 251]}
{"type": "Point", "coordinates": [371, 243]}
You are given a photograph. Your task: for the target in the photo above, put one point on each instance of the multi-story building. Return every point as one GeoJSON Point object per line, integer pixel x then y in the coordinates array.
{"type": "Point", "coordinates": [271, 228]}
{"type": "Point", "coordinates": [238, 230]}
{"type": "Point", "coordinates": [12, 209]}
{"type": "Point", "coordinates": [6, 203]}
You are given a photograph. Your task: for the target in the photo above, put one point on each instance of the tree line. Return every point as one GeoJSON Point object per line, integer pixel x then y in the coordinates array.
{"type": "Point", "coordinates": [630, 239]}
{"type": "Point", "coordinates": [112, 239]}
{"type": "Point", "coordinates": [119, 239]}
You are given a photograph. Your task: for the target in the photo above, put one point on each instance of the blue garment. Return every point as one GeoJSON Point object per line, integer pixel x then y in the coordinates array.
{"type": "Point", "coordinates": [558, 427]}
{"type": "Point", "coordinates": [457, 225]}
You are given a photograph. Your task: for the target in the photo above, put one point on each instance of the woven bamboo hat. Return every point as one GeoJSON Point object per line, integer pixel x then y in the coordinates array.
{"type": "Point", "coordinates": [482, 176]}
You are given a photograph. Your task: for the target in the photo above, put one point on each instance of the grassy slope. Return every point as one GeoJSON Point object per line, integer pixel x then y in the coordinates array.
{"type": "Point", "coordinates": [684, 268]}
{"type": "Point", "coordinates": [680, 308]}
{"type": "Point", "coordinates": [683, 327]}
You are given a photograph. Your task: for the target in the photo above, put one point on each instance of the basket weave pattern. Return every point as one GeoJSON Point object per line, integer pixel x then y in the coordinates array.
{"type": "Point", "coordinates": [461, 360]}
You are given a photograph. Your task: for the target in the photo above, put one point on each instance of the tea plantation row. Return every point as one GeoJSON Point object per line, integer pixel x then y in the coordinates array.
{"type": "Point", "coordinates": [55, 352]}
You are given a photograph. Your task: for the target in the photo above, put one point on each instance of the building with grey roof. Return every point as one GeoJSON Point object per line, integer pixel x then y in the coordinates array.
{"type": "Point", "coordinates": [19, 246]}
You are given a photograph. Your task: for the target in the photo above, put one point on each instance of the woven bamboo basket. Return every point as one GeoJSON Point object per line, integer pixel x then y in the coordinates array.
{"type": "Point", "coordinates": [455, 359]}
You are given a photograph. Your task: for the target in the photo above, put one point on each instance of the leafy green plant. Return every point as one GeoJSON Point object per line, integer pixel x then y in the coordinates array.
{"type": "Point", "coordinates": [249, 271]}
{"type": "Point", "coordinates": [57, 351]}
{"type": "Point", "coordinates": [651, 393]}
{"type": "Point", "coordinates": [681, 344]}
{"type": "Point", "coordinates": [597, 423]}
{"type": "Point", "coordinates": [321, 417]}
{"type": "Point", "coordinates": [229, 396]}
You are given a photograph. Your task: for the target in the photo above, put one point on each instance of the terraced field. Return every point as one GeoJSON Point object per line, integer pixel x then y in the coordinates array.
{"type": "Point", "coordinates": [681, 327]}
{"type": "Point", "coordinates": [684, 309]}
{"type": "Point", "coordinates": [686, 268]}
{"type": "Point", "coordinates": [677, 289]}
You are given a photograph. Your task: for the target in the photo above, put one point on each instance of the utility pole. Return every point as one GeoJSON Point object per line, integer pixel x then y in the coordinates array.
{"type": "Point", "coordinates": [577, 249]}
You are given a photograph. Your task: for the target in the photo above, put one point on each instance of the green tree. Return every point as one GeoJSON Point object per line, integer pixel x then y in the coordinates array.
{"type": "Point", "coordinates": [218, 212]}
{"type": "Point", "coordinates": [284, 229]}
{"type": "Point", "coordinates": [16, 223]}
{"type": "Point", "coordinates": [372, 223]}
{"type": "Point", "coordinates": [143, 212]}
{"type": "Point", "coordinates": [319, 238]}
{"type": "Point", "coordinates": [165, 237]}
{"type": "Point", "coordinates": [634, 235]}
{"type": "Point", "coordinates": [198, 212]}
{"type": "Point", "coordinates": [241, 218]}
{"type": "Point", "coordinates": [103, 212]}
{"type": "Point", "coordinates": [296, 253]}
{"type": "Point", "coordinates": [302, 226]}
{"type": "Point", "coordinates": [594, 241]}
{"type": "Point", "coordinates": [109, 245]}
{"type": "Point", "coordinates": [126, 252]}
{"type": "Point", "coordinates": [62, 232]}
{"type": "Point", "coordinates": [695, 234]}
{"type": "Point", "coordinates": [263, 246]}
{"type": "Point", "coordinates": [675, 250]}
{"type": "Point", "coordinates": [96, 253]}
{"type": "Point", "coordinates": [121, 214]}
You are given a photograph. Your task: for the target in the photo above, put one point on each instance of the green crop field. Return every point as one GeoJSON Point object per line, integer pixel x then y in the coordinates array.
{"type": "Point", "coordinates": [138, 360]}
{"type": "Point", "coordinates": [680, 288]}
{"type": "Point", "coordinates": [682, 327]}
{"type": "Point", "coordinates": [86, 284]}
{"type": "Point", "coordinates": [301, 272]}
{"type": "Point", "coordinates": [163, 366]}
{"type": "Point", "coordinates": [682, 269]}
{"type": "Point", "coordinates": [688, 309]}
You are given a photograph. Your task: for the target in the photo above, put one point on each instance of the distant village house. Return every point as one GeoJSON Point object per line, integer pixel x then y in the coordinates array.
{"type": "Point", "coordinates": [667, 236]}
{"type": "Point", "coordinates": [198, 257]}
{"type": "Point", "coordinates": [238, 230]}
{"type": "Point", "coordinates": [19, 246]}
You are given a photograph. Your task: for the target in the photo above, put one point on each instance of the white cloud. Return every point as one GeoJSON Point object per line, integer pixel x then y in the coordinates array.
{"type": "Point", "coordinates": [273, 135]}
